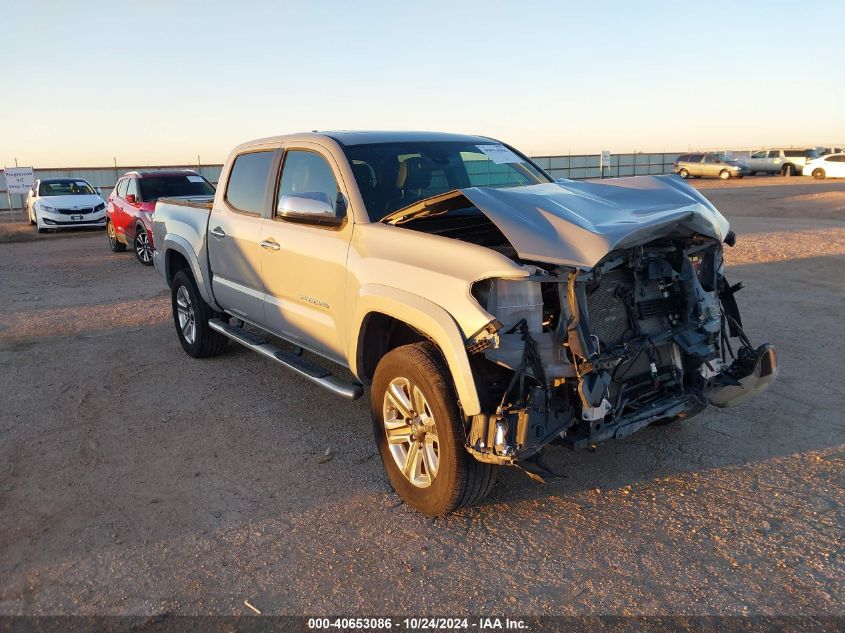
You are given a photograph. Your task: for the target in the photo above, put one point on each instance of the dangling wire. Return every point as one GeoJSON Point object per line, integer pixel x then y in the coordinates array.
{"type": "Point", "coordinates": [530, 358]}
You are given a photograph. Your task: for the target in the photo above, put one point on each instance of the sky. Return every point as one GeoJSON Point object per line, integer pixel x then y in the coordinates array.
{"type": "Point", "coordinates": [165, 82]}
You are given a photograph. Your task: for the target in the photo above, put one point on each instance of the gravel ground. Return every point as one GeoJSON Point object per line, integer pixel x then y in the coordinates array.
{"type": "Point", "coordinates": [134, 480]}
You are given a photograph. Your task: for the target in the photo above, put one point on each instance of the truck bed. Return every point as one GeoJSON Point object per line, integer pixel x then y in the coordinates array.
{"type": "Point", "coordinates": [199, 202]}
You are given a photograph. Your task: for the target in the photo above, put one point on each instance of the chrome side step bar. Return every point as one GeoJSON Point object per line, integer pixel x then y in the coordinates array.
{"type": "Point", "coordinates": [302, 366]}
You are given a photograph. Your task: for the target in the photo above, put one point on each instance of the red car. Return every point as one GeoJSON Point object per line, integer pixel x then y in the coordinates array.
{"type": "Point", "coordinates": [133, 200]}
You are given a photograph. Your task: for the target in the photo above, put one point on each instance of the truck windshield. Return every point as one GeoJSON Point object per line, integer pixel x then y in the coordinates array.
{"type": "Point", "coordinates": [155, 187]}
{"type": "Point", "coordinates": [392, 176]}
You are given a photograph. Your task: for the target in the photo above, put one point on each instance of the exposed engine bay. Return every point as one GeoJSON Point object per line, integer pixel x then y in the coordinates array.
{"type": "Point", "coordinates": [581, 353]}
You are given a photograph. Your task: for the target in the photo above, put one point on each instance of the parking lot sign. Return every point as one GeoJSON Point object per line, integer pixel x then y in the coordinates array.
{"type": "Point", "coordinates": [18, 179]}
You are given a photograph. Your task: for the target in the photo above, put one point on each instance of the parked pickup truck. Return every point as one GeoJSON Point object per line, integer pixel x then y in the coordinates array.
{"type": "Point", "coordinates": [490, 309]}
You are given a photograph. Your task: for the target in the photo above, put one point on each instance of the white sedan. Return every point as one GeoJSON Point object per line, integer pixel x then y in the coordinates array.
{"type": "Point", "coordinates": [830, 166]}
{"type": "Point", "coordinates": [63, 203]}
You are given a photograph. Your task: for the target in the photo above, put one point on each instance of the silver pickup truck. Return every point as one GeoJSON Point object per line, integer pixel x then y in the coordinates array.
{"type": "Point", "coordinates": [490, 309]}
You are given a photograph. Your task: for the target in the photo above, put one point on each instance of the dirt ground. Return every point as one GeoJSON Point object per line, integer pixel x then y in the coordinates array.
{"type": "Point", "coordinates": [135, 480]}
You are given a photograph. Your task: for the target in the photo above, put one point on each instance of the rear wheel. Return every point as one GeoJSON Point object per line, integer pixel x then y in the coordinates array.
{"type": "Point", "coordinates": [190, 316]}
{"type": "Point", "coordinates": [818, 174]}
{"type": "Point", "coordinates": [143, 247]}
{"type": "Point", "coordinates": [683, 173]}
{"type": "Point", "coordinates": [725, 174]}
{"type": "Point", "coordinates": [114, 244]}
{"type": "Point", "coordinates": [419, 433]}
{"type": "Point", "coordinates": [788, 170]}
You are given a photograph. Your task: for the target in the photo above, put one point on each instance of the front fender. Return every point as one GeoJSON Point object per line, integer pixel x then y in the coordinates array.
{"type": "Point", "coordinates": [200, 272]}
{"type": "Point", "coordinates": [426, 317]}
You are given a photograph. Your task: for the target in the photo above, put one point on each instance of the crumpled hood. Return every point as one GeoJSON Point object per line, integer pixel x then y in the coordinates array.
{"type": "Point", "coordinates": [576, 223]}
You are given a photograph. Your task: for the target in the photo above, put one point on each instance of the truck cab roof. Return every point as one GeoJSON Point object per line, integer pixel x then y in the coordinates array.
{"type": "Point", "coordinates": [366, 137]}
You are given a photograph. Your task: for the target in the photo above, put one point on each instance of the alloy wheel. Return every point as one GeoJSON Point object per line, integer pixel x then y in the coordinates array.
{"type": "Point", "coordinates": [185, 313]}
{"type": "Point", "coordinates": [142, 247]}
{"type": "Point", "coordinates": [411, 432]}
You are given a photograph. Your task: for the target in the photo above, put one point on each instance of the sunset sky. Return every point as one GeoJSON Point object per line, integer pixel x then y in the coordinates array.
{"type": "Point", "coordinates": [161, 82]}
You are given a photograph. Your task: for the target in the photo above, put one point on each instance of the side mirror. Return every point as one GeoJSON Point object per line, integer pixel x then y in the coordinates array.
{"type": "Point", "coordinates": [131, 198]}
{"type": "Point", "coordinates": [311, 207]}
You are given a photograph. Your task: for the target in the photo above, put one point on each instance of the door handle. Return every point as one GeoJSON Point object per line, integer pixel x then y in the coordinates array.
{"type": "Point", "coordinates": [270, 244]}
{"type": "Point", "coordinates": [218, 232]}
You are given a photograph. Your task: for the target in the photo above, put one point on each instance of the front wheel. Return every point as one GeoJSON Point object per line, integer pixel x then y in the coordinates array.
{"type": "Point", "coordinates": [115, 244]}
{"type": "Point", "coordinates": [818, 174]}
{"type": "Point", "coordinates": [190, 316]}
{"type": "Point", "coordinates": [725, 174]}
{"type": "Point", "coordinates": [143, 247]}
{"type": "Point", "coordinates": [420, 436]}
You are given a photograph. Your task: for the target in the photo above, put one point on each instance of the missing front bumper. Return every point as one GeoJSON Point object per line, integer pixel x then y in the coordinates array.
{"type": "Point", "coordinates": [764, 370]}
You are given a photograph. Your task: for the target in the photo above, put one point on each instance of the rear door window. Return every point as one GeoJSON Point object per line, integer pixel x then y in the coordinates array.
{"type": "Point", "coordinates": [711, 158]}
{"type": "Point", "coordinates": [775, 153]}
{"type": "Point", "coordinates": [247, 185]}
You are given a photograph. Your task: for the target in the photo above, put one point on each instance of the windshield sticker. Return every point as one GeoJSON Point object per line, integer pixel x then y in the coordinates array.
{"type": "Point", "coordinates": [499, 154]}
{"type": "Point", "coordinates": [195, 179]}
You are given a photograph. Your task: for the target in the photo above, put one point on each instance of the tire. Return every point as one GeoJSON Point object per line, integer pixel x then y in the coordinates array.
{"type": "Point", "coordinates": [787, 170]}
{"type": "Point", "coordinates": [417, 378]}
{"type": "Point", "coordinates": [818, 174]}
{"type": "Point", "coordinates": [683, 173]}
{"type": "Point", "coordinates": [115, 244]}
{"type": "Point", "coordinates": [143, 248]}
{"type": "Point", "coordinates": [200, 341]}
{"type": "Point", "coordinates": [725, 174]}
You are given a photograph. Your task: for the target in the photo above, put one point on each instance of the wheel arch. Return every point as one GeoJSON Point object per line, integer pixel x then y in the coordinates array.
{"type": "Point", "coordinates": [385, 318]}
{"type": "Point", "coordinates": [178, 255]}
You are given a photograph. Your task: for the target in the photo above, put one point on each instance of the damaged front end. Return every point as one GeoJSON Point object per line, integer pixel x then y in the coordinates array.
{"type": "Point", "coordinates": [650, 333]}
{"type": "Point", "coordinates": [624, 317]}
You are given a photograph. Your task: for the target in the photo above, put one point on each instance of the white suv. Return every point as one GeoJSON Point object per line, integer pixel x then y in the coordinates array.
{"type": "Point", "coordinates": [787, 162]}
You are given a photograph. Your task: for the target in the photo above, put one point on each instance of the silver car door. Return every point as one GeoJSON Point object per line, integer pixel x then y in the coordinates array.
{"type": "Point", "coordinates": [234, 231]}
{"type": "Point", "coordinates": [304, 247]}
